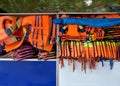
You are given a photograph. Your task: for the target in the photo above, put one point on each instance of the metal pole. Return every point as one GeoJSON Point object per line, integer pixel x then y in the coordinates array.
{"type": "Point", "coordinates": [20, 14]}
{"type": "Point", "coordinates": [56, 13]}
{"type": "Point", "coordinates": [89, 12]}
{"type": "Point", "coordinates": [57, 58]}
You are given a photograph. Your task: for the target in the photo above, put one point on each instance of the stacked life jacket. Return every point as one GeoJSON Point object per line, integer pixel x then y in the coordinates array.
{"type": "Point", "coordinates": [108, 16]}
{"type": "Point", "coordinates": [85, 43]}
{"type": "Point", "coordinates": [79, 32]}
{"type": "Point", "coordinates": [71, 31]}
{"type": "Point", "coordinates": [12, 34]}
{"type": "Point", "coordinates": [88, 51]}
{"type": "Point", "coordinates": [41, 31]}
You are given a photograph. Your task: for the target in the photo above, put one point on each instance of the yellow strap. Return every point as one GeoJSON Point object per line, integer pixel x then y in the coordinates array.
{"type": "Point", "coordinates": [85, 44]}
{"type": "Point", "coordinates": [107, 42]}
{"type": "Point", "coordinates": [100, 43]}
{"type": "Point", "coordinates": [90, 44]}
{"type": "Point", "coordinates": [97, 43]}
{"type": "Point", "coordinates": [24, 31]}
{"type": "Point", "coordinates": [81, 27]}
{"type": "Point", "coordinates": [62, 42]}
{"type": "Point", "coordinates": [12, 29]}
{"type": "Point", "coordinates": [71, 42]}
{"type": "Point", "coordinates": [18, 23]}
{"type": "Point", "coordinates": [77, 43]}
{"type": "Point", "coordinates": [114, 44]}
{"type": "Point", "coordinates": [103, 43]}
{"type": "Point", "coordinates": [64, 27]}
{"type": "Point", "coordinates": [92, 36]}
{"type": "Point", "coordinates": [13, 39]}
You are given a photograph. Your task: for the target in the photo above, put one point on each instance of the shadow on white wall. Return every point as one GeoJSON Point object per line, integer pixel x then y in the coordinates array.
{"type": "Point", "coordinates": [101, 76]}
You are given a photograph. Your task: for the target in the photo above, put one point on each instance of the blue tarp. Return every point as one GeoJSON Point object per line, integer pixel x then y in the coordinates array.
{"type": "Point", "coordinates": [94, 22]}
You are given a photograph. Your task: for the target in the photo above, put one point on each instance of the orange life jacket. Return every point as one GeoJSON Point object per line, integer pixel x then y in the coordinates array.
{"type": "Point", "coordinates": [10, 30]}
{"type": "Point", "coordinates": [72, 32]}
{"type": "Point", "coordinates": [94, 33]}
{"type": "Point", "coordinates": [40, 31]}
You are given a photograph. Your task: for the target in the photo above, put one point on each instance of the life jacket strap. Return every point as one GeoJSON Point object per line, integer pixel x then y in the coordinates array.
{"type": "Point", "coordinates": [9, 30]}
{"type": "Point", "coordinates": [17, 38]}
{"type": "Point", "coordinates": [18, 23]}
{"type": "Point", "coordinates": [12, 29]}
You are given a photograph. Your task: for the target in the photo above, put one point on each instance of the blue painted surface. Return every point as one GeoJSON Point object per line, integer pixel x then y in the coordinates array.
{"type": "Point", "coordinates": [27, 73]}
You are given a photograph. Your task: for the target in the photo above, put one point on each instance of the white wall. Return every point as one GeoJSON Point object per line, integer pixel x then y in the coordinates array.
{"type": "Point", "coordinates": [102, 76]}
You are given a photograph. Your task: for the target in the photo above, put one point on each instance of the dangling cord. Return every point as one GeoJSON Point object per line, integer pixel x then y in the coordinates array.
{"type": "Point", "coordinates": [73, 65]}
{"type": "Point", "coordinates": [68, 52]}
{"type": "Point", "coordinates": [63, 53]}
{"type": "Point", "coordinates": [84, 64]}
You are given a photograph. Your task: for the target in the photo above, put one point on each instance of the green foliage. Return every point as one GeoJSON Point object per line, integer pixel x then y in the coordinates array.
{"type": "Point", "coordinates": [54, 5]}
